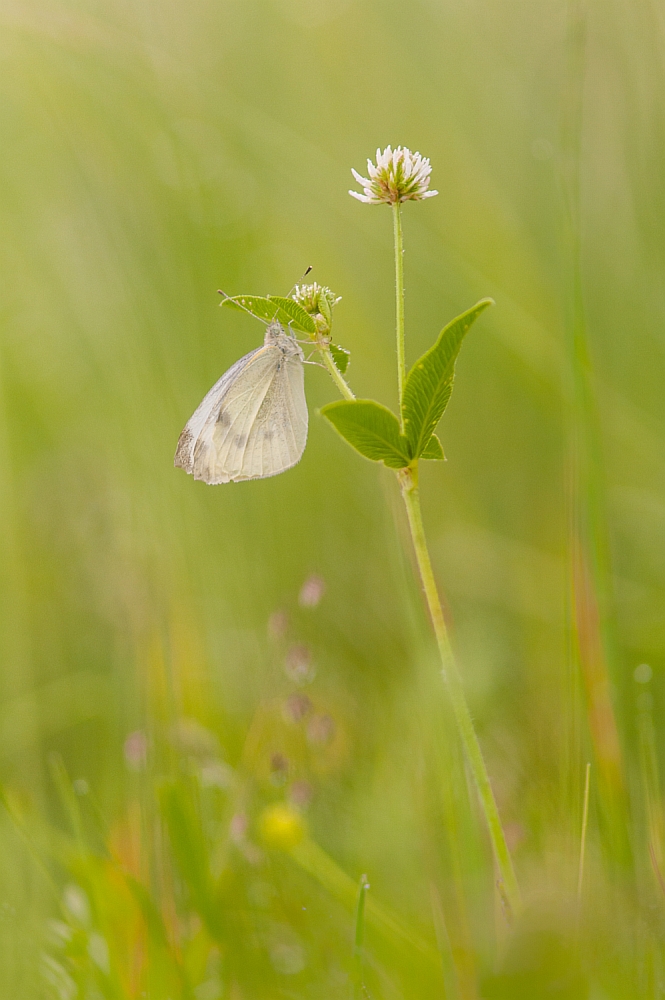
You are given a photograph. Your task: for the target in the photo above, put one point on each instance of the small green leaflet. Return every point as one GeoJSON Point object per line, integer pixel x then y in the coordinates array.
{"type": "Point", "coordinates": [257, 305]}
{"type": "Point", "coordinates": [374, 430]}
{"type": "Point", "coordinates": [430, 381]}
{"type": "Point", "coordinates": [271, 307]}
{"type": "Point", "coordinates": [300, 318]}
{"type": "Point", "coordinates": [325, 310]}
{"type": "Point", "coordinates": [370, 428]}
{"type": "Point", "coordinates": [433, 450]}
{"type": "Point", "coordinates": [341, 357]}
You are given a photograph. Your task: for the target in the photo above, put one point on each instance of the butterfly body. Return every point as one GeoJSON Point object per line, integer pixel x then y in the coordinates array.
{"type": "Point", "coordinates": [253, 422]}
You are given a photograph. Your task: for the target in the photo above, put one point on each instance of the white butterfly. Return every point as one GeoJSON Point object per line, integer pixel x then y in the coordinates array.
{"type": "Point", "coordinates": [253, 422]}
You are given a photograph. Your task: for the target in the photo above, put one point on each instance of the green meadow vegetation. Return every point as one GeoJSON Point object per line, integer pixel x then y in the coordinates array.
{"type": "Point", "coordinates": [230, 766]}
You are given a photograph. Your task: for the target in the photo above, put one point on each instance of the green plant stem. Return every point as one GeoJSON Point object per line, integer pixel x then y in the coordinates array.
{"type": "Point", "coordinates": [335, 373]}
{"type": "Point", "coordinates": [453, 680]}
{"type": "Point", "coordinates": [358, 939]}
{"type": "Point", "coordinates": [399, 304]}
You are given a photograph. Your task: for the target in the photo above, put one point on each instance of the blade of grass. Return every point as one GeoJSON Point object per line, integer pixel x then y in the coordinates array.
{"type": "Point", "coordinates": [585, 820]}
{"type": "Point", "coordinates": [649, 772]}
{"type": "Point", "coordinates": [450, 987]}
{"type": "Point", "coordinates": [358, 939]}
{"type": "Point", "coordinates": [26, 832]}
{"type": "Point", "coordinates": [317, 863]}
{"type": "Point", "coordinates": [590, 573]}
{"type": "Point", "coordinates": [68, 799]}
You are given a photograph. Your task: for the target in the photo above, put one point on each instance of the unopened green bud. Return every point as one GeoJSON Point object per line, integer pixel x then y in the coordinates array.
{"type": "Point", "coordinates": [319, 301]}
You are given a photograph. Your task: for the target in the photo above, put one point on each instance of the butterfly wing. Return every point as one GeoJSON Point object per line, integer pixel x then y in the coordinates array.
{"type": "Point", "coordinates": [200, 425]}
{"type": "Point", "coordinates": [210, 404]}
{"type": "Point", "coordinates": [277, 436]}
{"type": "Point", "coordinates": [252, 423]}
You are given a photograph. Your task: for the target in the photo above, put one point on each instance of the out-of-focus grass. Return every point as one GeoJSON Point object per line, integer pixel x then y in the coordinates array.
{"type": "Point", "coordinates": [151, 154]}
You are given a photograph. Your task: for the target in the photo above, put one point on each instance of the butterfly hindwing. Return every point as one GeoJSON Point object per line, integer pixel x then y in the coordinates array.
{"type": "Point", "coordinates": [184, 456]}
{"type": "Point", "coordinates": [220, 451]}
{"type": "Point", "coordinates": [277, 437]}
{"type": "Point", "coordinates": [253, 422]}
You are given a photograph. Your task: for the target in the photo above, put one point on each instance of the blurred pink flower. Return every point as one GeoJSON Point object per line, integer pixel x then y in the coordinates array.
{"type": "Point", "coordinates": [321, 729]}
{"type": "Point", "coordinates": [278, 623]}
{"type": "Point", "coordinates": [311, 591]}
{"type": "Point", "coordinates": [136, 750]}
{"type": "Point", "coordinates": [301, 793]}
{"type": "Point", "coordinates": [296, 707]}
{"type": "Point", "coordinates": [298, 664]}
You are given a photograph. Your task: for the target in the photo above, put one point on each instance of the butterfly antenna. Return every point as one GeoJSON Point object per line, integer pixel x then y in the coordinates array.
{"type": "Point", "coordinates": [266, 322]}
{"type": "Point", "coordinates": [289, 294]}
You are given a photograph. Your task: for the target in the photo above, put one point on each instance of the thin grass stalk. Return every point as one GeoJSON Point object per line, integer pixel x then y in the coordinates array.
{"type": "Point", "coordinates": [590, 575]}
{"type": "Point", "coordinates": [585, 821]}
{"type": "Point", "coordinates": [15, 654]}
{"type": "Point", "coordinates": [649, 772]}
{"type": "Point", "coordinates": [358, 939]}
{"type": "Point", "coordinates": [312, 858]}
{"type": "Point", "coordinates": [451, 919]}
{"type": "Point", "coordinates": [448, 966]}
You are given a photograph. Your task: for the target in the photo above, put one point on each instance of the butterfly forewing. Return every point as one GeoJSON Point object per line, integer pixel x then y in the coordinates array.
{"type": "Point", "coordinates": [195, 453]}
{"type": "Point", "coordinates": [184, 454]}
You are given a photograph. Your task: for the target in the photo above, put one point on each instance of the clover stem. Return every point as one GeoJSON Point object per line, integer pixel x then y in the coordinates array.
{"type": "Point", "coordinates": [399, 304]}
{"type": "Point", "coordinates": [507, 882]}
{"type": "Point", "coordinates": [335, 373]}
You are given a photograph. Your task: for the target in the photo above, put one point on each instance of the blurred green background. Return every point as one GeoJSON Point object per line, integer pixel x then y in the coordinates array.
{"type": "Point", "coordinates": [153, 153]}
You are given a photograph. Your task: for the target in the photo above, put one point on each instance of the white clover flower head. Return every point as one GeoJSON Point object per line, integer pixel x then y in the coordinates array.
{"type": "Point", "coordinates": [398, 175]}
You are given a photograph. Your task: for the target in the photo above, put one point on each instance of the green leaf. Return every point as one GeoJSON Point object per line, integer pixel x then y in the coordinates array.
{"type": "Point", "coordinates": [370, 428]}
{"type": "Point", "coordinates": [325, 309]}
{"type": "Point", "coordinates": [300, 319]}
{"type": "Point", "coordinates": [341, 357]}
{"type": "Point", "coordinates": [256, 305]}
{"type": "Point", "coordinates": [273, 307]}
{"type": "Point", "coordinates": [430, 381]}
{"type": "Point", "coordinates": [433, 451]}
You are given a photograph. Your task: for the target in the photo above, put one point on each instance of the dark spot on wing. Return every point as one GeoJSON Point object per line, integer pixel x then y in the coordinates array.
{"type": "Point", "coordinates": [268, 434]}
{"type": "Point", "coordinates": [240, 440]}
{"type": "Point", "coordinates": [182, 455]}
{"type": "Point", "coordinates": [224, 418]}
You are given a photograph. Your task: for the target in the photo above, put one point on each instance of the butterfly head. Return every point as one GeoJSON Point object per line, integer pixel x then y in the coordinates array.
{"type": "Point", "coordinates": [277, 336]}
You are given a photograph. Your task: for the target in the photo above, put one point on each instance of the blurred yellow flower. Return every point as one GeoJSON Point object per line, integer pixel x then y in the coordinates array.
{"type": "Point", "coordinates": [281, 827]}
